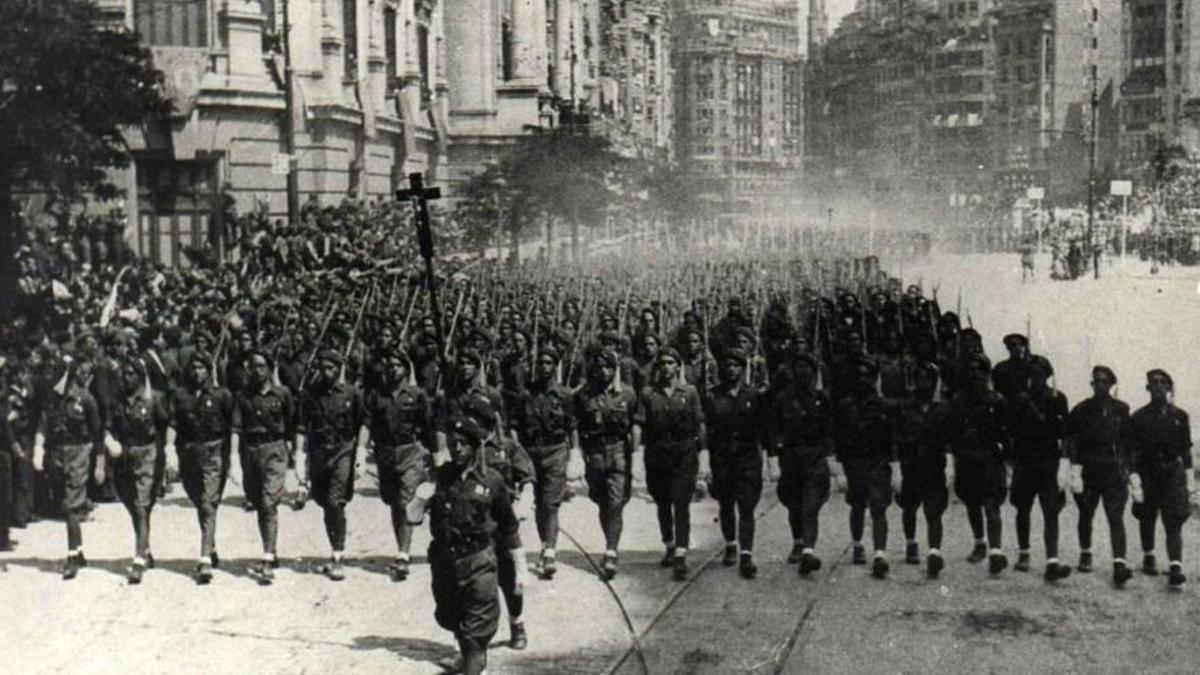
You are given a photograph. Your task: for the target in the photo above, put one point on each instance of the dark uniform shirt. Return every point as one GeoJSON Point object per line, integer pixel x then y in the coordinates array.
{"type": "Point", "coordinates": [265, 417]}
{"type": "Point", "coordinates": [468, 510]}
{"type": "Point", "coordinates": [1160, 436]}
{"type": "Point", "coordinates": [509, 459]}
{"type": "Point", "coordinates": [202, 416]}
{"type": "Point", "coordinates": [1097, 428]}
{"type": "Point", "coordinates": [551, 416]}
{"type": "Point", "coordinates": [398, 417]}
{"type": "Point", "coordinates": [1010, 378]}
{"type": "Point", "coordinates": [800, 418]}
{"type": "Point", "coordinates": [918, 430]}
{"type": "Point", "coordinates": [976, 426]}
{"type": "Point", "coordinates": [72, 419]}
{"type": "Point", "coordinates": [1038, 424]}
{"type": "Point", "coordinates": [603, 417]}
{"type": "Point", "coordinates": [669, 417]}
{"type": "Point", "coordinates": [138, 420]}
{"type": "Point", "coordinates": [332, 417]}
{"type": "Point", "coordinates": [735, 419]}
{"type": "Point", "coordinates": [862, 428]}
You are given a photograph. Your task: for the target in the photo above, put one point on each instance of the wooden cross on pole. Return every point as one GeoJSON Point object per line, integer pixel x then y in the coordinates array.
{"type": "Point", "coordinates": [419, 197]}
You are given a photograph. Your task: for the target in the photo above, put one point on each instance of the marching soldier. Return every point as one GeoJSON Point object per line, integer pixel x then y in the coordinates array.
{"type": "Point", "coordinates": [263, 422]}
{"type": "Point", "coordinates": [331, 432]}
{"type": "Point", "coordinates": [1161, 439]}
{"type": "Point", "coordinates": [802, 456]}
{"type": "Point", "coordinates": [1011, 376]}
{"type": "Point", "coordinates": [603, 411]}
{"type": "Point", "coordinates": [976, 429]}
{"type": "Point", "coordinates": [399, 422]}
{"type": "Point", "coordinates": [471, 516]}
{"type": "Point", "coordinates": [1040, 469]}
{"type": "Point", "coordinates": [70, 433]}
{"type": "Point", "coordinates": [734, 414]}
{"type": "Point", "coordinates": [139, 425]}
{"type": "Point", "coordinates": [547, 435]}
{"type": "Point", "coordinates": [926, 468]}
{"type": "Point", "coordinates": [202, 417]}
{"type": "Point", "coordinates": [866, 456]}
{"type": "Point", "coordinates": [671, 424]}
{"type": "Point", "coordinates": [1100, 464]}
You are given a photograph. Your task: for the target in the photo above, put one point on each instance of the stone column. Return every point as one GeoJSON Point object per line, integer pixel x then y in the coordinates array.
{"type": "Point", "coordinates": [470, 58]}
{"type": "Point", "coordinates": [529, 32]}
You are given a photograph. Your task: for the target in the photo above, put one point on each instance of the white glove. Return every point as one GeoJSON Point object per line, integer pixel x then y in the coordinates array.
{"type": "Point", "coordinates": [415, 511]}
{"type": "Point", "coordinates": [837, 473]}
{"type": "Point", "coordinates": [897, 477]}
{"type": "Point", "coordinates": [112, 446]}
{"type": "Point", "coordinates": [705, 472]}
{"type": "Point", "coordinates": [1008, 476]}
{"type": "Point", "coordinates": [172, 459]}
{"type": "Point", "coordinates": [1063, 477]}
{"type": "Point", "coordinates": [521, 569]}
{"type": "Point", "coordinates": [949, 471]}
{"type": "Point", "coordinates": [1135, 489]}
{"type": "Point", "coordinates": [39, 454]}
{"type": "Point", "coordinates": [773, 471]}
{"type": "Point", "coordinates": [1077, 479]}
{"type": "Point", "coordinates": [575, 465]}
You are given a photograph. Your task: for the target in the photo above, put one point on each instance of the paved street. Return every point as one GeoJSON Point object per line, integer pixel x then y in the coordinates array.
{"type": "Point", "coordinates": [839, 621]}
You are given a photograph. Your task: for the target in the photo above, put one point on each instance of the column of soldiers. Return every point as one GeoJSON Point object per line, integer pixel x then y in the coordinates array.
{"type": "Point", "coordinates": [868, 390]}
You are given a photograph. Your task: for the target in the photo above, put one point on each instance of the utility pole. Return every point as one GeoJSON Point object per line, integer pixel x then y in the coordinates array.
{"type": "Point", "coordinates": [289, 125]}
{"type": "Point", "coordinates": [1095, 106]}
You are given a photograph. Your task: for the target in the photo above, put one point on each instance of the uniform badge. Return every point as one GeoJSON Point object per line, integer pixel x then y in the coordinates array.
{"type": "Point", "coordinates": [481, 490]}
{"type": "Point", "coordinates": [208, 403]}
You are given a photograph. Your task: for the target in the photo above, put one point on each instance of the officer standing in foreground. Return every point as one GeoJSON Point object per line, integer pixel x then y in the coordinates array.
{"type": "Point", "coordinates": [70, 432]}
{"type": "Point", "coordinates": [927, 470]}
{"type": "Point", "coordinates": [734, 414]}
{"type": "Point", "coordinates": [139, 425]}
{"type": "Point", "coordinates": [1040, 469]}
{"type": "Point", "coordinates": [264, 419]}
{"type": "Point", "coordinates": [547, 433]}
{"type": "Point", "coordinates": [866, 456]}
{"type": "Point", "coordinates": [1100, 465]}
{"type": "Point", "coordinates": [1160, 437]}
{"type": "Point", "coordinates": [603, 410]}
{"type": "Point", "coordinates": [470, 508]}
{"type": "Point", "coordinates": [802, 457]}
{"type": "Point", "coordinates": [672, 427]}
{"type": "Point", "coordinates": [331, 432]}
{"type": "Point", "coordinates": [400, 422]}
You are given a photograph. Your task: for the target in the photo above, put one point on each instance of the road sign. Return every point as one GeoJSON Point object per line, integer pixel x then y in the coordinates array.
{"type": "Point", "coordinates": [1122, 188]}
{"type": "Point", "coordinates": [1035, 193]}
{"type": "Point", "coordinates": [281, 164]}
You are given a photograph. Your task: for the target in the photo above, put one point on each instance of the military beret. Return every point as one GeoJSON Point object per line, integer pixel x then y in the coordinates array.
{"type": "Point", "coordinates": [669, 353]}
{"type": "Point", "coordinates": [468, 428]}
{"type": "Point", "coordinates": [806, 359]}
{"type": "Point", "coordinates": [478, 408]}
{"type": "Point", "coordinates": [1106, 371]}
{"type": "Point", "coordinates": [394, 355]}
{"type": "Point", "coordinates": [201, 357]}
{"type": "Point", "coordinates": [746, 332]}
{"type": "Point", "coordinates": [260, 354]}
{"type": "Point", "coordinates": [604, 357]}
{"type": "Point", "coordinates": [330, 356]}
{"type": "Point", "coordinates": [978, 362]}
{"type": "Point", "coordinates": [971, 334]}
{"type": "Point", "coordinates": [1159, 372]}
{"type": "Point", "coordinates": [471, 356]}
{"type": "Point", "coordinates": [1015, 339]}
{"type": "Point", "coordinates": [1042, 363]}
{"type": "Point", "coordinates": [738, 356]}
{"type": "Point", "coordinates": [549, 350]}
{"type": "Point", "coordinates": [610, 336]}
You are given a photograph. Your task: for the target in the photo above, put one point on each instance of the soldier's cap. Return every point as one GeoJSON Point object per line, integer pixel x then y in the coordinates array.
{"type": "Point", "coordinates": [471, 356]}
{"type": "Point", "coordinates": [550, 351]}
{"type": "Point", "coordinates": [258, 354]}
{"type": "Point", "coordinates": [806, 359]}
{"type": "Point", "coordinates": [1013, 339]}
{"type": "Point", "coordinates": [746, 332]}
{"type": "Point", "coordinates": [138, 366]}
{"type": "Point", "coordinates": [330, 356]}
{"type": "Point", "coordinates": [610, 336]}
{"type": "Point", "coordinates": [971, 334]}
{"type": "Point", "coordinates": [978, 362]}
{"type": "Point", "coordinates": [605, 358]}
{"type": "Point", "coordinates": [395, 355]}
{"type": "Point", "coordinates": [1042, 363]}
{"type": "Point", "coordinates": [479, 409]}
{"type": "Point", "coordinates": [467, 428]}
{"type": "Point", "coordinates": [735, 355]}
{"type": "Point", "coordinates": [1106, 371]}
{"type": "Point", "coordinates": [202, 357]}
{"type": "Point", "coordinates": [669, 353]}
{"type": "Point", "coordinates": [1159, 372]}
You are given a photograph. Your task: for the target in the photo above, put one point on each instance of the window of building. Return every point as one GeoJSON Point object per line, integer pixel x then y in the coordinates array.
{"type": "Point", "coordinates": [175, 208]}
{"type": "Point", "coordinates": [350, 39]}
{"type": "Point", "coordinates": [389, 44]}
{"type": "Point", "coordinates": [507, 57]}
{"type": "Point", "coordinates": [171, 23]}
{"type": "Point", "coordinates": [423, 64]}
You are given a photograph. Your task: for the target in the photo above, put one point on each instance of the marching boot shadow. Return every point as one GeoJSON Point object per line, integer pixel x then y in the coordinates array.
{"type": "Point", "coordinates": [416, 649]}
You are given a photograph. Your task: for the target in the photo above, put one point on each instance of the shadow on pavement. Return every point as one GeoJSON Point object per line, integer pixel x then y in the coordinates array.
{"type": "Point", "coordinates": [416, 649]}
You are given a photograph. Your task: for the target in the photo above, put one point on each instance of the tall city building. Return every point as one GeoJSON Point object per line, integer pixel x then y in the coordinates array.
{"type": "Point", "coordinates": [739, 99]}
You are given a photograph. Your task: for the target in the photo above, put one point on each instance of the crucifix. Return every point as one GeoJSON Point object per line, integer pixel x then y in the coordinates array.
{"type": "Point", "coordinates": [419, 196]}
